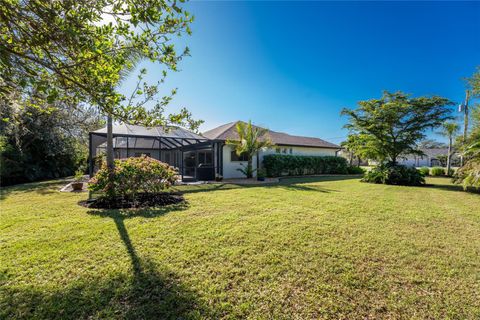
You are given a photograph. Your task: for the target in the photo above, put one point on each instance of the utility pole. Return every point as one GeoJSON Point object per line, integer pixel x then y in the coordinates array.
{"type": "Point", "coordinates": [464, 108]}
{"type": "Point", "coordinates": [465, 116]}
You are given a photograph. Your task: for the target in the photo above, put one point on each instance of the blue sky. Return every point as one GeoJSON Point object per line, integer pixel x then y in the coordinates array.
{"type": "Point", "coordinates": [292, 66]}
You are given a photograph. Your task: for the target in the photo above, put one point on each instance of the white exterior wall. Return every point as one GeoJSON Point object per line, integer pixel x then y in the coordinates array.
{"type": "Point", "coordinates": [230, 167]}
{"type": "Point", "coordinates": [299, 151]}
{"type": "Point", "coordinates": [419, 161]}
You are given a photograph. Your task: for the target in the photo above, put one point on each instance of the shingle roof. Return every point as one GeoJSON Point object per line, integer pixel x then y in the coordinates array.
{"type": "Point", "coordinates": [229, 131]}
{"type": "Point", "coordinates": [434, 152]}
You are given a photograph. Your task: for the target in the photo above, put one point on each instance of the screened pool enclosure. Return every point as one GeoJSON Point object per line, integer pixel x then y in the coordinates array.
{"type": "Point", "coordinates": [194, 156]}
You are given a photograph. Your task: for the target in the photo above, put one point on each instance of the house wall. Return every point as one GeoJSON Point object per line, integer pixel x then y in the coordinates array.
{"type": "Point", "coordinates": [298, 151]}
{"type": "Point", "coordinates": [415, 162]}
{"type": "Point", "coordinates": [230, 168]}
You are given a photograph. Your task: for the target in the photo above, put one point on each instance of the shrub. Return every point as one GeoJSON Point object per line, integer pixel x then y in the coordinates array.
{"type": "Point", "coordinates": [78, 177]}
{"type": "Point", "coordinates": [135, 175]}
{"type": "Point", "coordinates": [355, 170]}
{"type": "Point", "coordinates": [469, 174]}
{"type": "Point", "coordinates": [425, 171]}
{"type": "Point", "coordinates": [281, 165]}
{"type": "Point", "coordinates": [261, 173]}
{"type": "Point", "coordinates": [437, 171]}
{"type": "Point", "coordinates": [396, 175]}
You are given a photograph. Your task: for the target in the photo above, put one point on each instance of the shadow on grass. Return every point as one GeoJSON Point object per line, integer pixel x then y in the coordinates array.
{"type": "Point", "coordinates": [150, 292]}
{"type": "Point", "coordinates": [452, 187]}
{"type": "Point", "coordinates": [122, 214]}
{"type": "Point", "coordinates": [45, 187]}
{"type": "Point", "coordinates": [289, 183]}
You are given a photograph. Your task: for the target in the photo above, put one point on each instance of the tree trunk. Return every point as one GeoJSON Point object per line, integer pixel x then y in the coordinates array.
{"type": "Point", "coordinates": [249, 168]}
{"type": "Point", "coordinates": [110, 157]}
{"type": "Point", "coordinates": [449, 155]}
{"type": "Point", "coordinates": [394, 161]}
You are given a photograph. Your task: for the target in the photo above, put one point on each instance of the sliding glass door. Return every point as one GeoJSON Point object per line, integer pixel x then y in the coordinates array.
{"type": "Point", "coordinates": [198, 165]}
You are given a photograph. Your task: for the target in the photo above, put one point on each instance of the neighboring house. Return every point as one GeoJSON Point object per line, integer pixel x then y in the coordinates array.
{"type": "Point", "coordinates": [351, 158]}
{"type": "Point", "coordinates": [199, 157]}
{"type": "Point", "coordinates": [433, 157]}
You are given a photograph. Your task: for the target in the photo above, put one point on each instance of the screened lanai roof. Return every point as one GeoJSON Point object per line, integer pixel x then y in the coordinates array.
{"type": "Point", "coordinates": [132, 136]}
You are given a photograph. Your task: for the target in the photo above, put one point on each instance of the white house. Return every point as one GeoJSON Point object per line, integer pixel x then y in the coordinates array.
{"type": "Point", "coordinates": [199, 156]}
{"type": "Point", "coordinates": [431, 158]}
{"type": "Point", "coordinates": [283, 144]}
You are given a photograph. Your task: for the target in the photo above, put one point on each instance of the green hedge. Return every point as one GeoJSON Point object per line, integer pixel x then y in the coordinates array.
{"type": "Point", "coordinates": [425, 171]}
{"type": "Point", "coordinates": [437, 171]}
{"type": "Point", "coordinates": [278, 165]}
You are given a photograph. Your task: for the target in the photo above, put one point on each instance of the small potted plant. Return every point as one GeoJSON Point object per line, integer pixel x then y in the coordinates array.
{"type": "Point", "coordinates": [218, 177]}
{"type": "Point", "coordinates": [261, 174]}
{"type": "Point", "coordinates": [77, 183]}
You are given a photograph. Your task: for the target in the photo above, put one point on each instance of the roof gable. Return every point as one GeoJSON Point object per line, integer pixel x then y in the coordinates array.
{"type": "Point", "coordinates": [229, 131]}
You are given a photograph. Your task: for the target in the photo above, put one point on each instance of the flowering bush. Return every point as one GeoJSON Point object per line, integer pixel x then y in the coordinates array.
{"type": "Point", "coordinates": [133, 176]}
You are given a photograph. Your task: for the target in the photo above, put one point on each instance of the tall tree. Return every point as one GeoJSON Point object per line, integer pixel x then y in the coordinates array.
{"type": "Point", "coordinates": [469, 173]}
{"type": "Point", "coordinates": [474, 82]}
{"type": "Point", "coordinates": [42, 142]}
{"type": "Point", "coordinates": [393, 125]}
{"type": "Point", "coordinates": [251, 140]}
{"type": "Point", "coordinates": [59, 49]}
{"type": "Point", "coordinates": [449, 130]}
{"type": "Point", "coordinates": [354, 145]}
{"type": "Point", "coordinates": [76, 51]}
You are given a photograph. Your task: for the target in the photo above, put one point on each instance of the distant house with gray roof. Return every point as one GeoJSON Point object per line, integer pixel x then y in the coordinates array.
{"type": "Point", "coordinates": [432, 157]}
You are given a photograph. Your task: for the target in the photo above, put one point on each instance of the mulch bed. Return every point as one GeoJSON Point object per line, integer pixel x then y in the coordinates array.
{"type": "Point", "coordinates": [142, 200]}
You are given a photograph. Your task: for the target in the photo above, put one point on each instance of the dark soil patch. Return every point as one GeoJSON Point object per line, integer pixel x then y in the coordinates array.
{"type": "Point", "coordinates": [141, 200]}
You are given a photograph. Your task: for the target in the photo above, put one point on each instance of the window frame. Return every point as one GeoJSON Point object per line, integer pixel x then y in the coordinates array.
{"type": "Point", "coordinates": [236, 158]}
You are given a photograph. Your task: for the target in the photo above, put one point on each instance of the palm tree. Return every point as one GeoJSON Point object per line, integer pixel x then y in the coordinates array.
{"type": "Point", "coordinates": [251, 139]}
{"type": "Point", "coordinates": [449, 130]}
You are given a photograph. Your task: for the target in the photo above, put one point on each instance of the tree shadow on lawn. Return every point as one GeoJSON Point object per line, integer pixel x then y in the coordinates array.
{"type": "Point", "coordinates": [289, 183]}
{"type": "Point", "coordinates": [151, 292]}
{"type": "Point", "coordinates": [452, 187]}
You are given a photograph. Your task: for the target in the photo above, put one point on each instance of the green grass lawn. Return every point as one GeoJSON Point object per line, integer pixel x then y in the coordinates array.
{"type": "Point", "coordinates": [305, 249]}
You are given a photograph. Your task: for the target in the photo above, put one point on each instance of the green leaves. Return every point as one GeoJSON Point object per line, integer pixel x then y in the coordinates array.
{"type": "Point", "coordinates": [58, 49]}
{"type": "Point", "coordinates": [384, 129]}
{"type": "Point", "coordinates": [278, 165]}
{"type": "Point", "coordinates": [250, 139]}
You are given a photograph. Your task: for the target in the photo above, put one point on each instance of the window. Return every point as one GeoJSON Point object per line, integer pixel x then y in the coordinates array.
{"type": "Point", "coordinates": [291, 150]}
{"type": "Point", "coordinates": [278, 150]}
{"type": "Point", "coordinates": [205, 157]}
{"type": "Point", "coordinates": [167, 157]}
{"type": "Point", "coordinates": [235, 157]}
